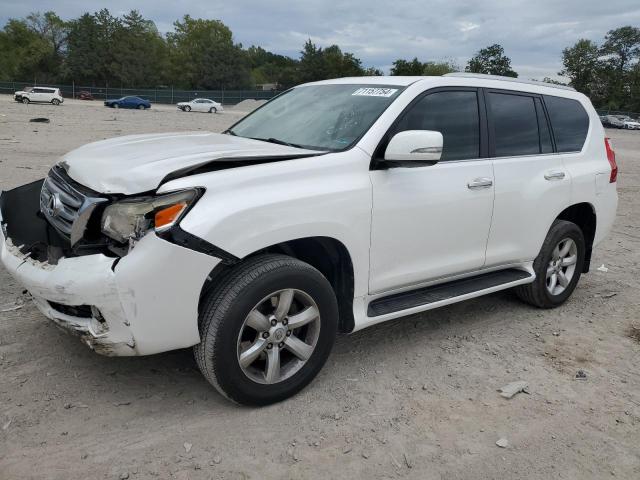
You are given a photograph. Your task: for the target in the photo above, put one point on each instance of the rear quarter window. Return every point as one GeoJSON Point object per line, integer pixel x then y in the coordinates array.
{"type": "Point", "coordinates": [569, 121]}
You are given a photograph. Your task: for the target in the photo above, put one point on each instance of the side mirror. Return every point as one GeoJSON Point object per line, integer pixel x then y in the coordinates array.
{"type": "Point", "coordinates": [420, 146]}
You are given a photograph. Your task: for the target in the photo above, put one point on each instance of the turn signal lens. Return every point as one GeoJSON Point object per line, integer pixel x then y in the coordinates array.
{"type": "Point", "coordinates": [166, 217]}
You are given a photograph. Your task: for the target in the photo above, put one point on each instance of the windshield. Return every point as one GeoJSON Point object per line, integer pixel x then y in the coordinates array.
{"type": "Point", "coordinates": [319, 117]}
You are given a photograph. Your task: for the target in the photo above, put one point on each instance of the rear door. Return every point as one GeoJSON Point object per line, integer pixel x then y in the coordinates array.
{"type": "Point", "coordinates": [531, 183]}
{"type": "Point", "coordinates": [433, 221]}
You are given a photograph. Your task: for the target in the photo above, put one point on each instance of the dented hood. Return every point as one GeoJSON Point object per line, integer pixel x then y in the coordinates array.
{"type": "Point", "coordinates": [139, 163]}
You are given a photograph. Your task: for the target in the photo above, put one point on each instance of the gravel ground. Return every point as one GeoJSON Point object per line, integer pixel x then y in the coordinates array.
{"type": "Point", "coordinates": [413, 398]}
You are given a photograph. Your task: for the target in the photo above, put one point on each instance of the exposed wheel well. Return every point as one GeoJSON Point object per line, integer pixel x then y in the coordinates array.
{"type": "Point", "coordinates": [583, 215]}
{"type": "Point", "coordinates": [327, 255]}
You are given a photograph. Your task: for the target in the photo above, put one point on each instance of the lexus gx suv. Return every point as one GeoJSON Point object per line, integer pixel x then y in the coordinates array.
{"type": "Point", "coordinates": [337, 205]}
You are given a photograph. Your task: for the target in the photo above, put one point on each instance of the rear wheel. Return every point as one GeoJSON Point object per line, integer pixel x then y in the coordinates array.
{"type": "Point", "coordinates": [213, 110]}
{"type": "Point", "coordinates": [558, 266]}
{"type": "Point", "coordinates": [55, 101]}
{"type": "Point", "coordinates": [267, 329]}
{"type": "Point", "coordinates": [25, 100]}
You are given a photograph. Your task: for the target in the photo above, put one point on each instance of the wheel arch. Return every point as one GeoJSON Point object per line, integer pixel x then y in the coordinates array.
{"type": "Point", "coordinates": [328, 255]}
{"type": "Point", "coordinates": [582, 214]}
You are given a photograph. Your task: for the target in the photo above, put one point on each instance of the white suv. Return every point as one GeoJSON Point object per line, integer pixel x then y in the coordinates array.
{"type": "Point", "coordinates": [39, 95]}
{"type": "Point", "coordinates": [335, 206]}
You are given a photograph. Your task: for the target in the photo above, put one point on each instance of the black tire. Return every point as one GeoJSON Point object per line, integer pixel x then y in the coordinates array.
{"type": "Point", "coordinates": [141, 107]}
{"type": "Point", "coordinates": [537, 293]}
{"type": "Point", "coordinates": [115, 105]}
{"type": "Point", "coordinates": [25, 100]}
{"type": "Point", "coordinates": [213, 110]}
{"type": "Point", "coordinates": [187, 108]}
{"type": "Point", "coordinates": [55, 102]}
{"type": "Point", "coordinates": [224, 309]}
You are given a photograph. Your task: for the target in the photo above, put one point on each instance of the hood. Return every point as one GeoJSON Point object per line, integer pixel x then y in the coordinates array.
{"type": "Point", "coordinates": [139, 163]}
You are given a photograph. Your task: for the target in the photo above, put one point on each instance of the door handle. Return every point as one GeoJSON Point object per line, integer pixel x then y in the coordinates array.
{"type": "Point", "coordinates": [479, 183]}
{"type": "Point", "coordinates": [554, 175]}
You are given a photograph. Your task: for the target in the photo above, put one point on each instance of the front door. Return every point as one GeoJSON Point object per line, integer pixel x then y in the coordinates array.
{"type": "Point", "coordinates": [433, 221]}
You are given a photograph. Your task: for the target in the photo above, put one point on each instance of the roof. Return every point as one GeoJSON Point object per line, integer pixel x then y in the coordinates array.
{"type": "Point", "coordinates": [403, 81]}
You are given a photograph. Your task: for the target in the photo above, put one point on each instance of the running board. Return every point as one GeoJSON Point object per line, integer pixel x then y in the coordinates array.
{"type": "Point", "coordinates": [445, 291]}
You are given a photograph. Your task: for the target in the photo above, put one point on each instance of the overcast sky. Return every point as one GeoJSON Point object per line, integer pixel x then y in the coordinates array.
{"type": "Point", "coordinates": [533, 32]}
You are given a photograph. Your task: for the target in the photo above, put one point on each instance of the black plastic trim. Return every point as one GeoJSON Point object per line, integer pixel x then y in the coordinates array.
{"type": "Point", "coordinates": [185, 239]}
{"type": "Point", "coordinates": [444, 291]}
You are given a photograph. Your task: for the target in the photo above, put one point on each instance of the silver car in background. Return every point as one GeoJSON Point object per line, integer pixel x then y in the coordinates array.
{"type": "Point", "coordinates": [201, 105]}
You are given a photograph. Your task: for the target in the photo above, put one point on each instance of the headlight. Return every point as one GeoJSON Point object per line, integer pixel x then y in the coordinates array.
{"type": "Point", "coordinates": [132, 218]}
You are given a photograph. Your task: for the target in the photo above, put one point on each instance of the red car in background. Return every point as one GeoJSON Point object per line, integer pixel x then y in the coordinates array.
{"type": "Point", "coordinates": [85, 95]}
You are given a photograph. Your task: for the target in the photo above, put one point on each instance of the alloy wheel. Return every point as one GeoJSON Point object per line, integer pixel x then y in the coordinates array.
{"type": "Point", "coordinates": [278, 336]}
{"type": "Point", "coordinates": [562, 266]}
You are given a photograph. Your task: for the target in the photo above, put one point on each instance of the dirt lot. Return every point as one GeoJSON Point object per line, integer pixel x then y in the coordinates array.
{"type": "Point", "coordinates": [415, 398]}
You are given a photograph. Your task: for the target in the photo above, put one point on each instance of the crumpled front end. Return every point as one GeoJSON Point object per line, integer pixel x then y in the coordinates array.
{"type": "Point", "coordinates": [142, 303]}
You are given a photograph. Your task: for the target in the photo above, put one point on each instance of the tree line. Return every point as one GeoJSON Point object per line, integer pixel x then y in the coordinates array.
{"type": "Point", "coordinates": [102, 49]}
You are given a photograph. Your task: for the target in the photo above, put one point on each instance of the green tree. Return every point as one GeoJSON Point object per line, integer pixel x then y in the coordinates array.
{"type": "Point", "coordinates": [203, 55]}
{"type": "Point", "coordinates": [581, 64]}
{"type": "Point", "coordinates": [312, 66]}
{"type": "Point", "coordinates": [23, 53]}
{"type": "Point", "coordinates": [139, 52]}
{"type": "Point", "coordinates": [491, 60]}
{"type": "Point", "coordinates": [407, 67]}
{"type": "Point", "coordinates": [439, 68]}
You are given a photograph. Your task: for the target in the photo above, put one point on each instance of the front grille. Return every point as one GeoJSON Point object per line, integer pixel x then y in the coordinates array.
{"type": "Point", "coordinates": [65, 206]}
{"type": "Point", "coordinates": [60, 202]}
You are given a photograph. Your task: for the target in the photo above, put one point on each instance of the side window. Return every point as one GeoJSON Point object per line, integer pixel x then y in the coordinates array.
{"type": "Point", "coordinates": [569, 122]}
{"type": "Point", "coordinates": [455, 115]}
{"type": "Point", "coordinates": [515, 124]}
{"type": "Point", "coordinates": [545, 135]}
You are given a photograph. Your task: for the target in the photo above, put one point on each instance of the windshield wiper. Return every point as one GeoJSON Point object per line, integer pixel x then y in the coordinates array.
{"type": "Point", "coordinates": [230, 132]}
{"type": "Point", "coordinates": [278, 142]}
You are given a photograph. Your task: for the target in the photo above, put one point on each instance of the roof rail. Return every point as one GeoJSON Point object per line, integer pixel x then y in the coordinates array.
{"type": "Point", "coordinates": [507, 79]}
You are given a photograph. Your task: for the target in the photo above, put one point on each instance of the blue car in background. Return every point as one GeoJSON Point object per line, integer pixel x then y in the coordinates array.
{"type": "Point", "coordinates": [128, 102]}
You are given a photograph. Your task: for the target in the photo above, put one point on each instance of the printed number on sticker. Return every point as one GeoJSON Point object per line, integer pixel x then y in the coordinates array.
{"type": "Point", "coordinates": [375, 92]}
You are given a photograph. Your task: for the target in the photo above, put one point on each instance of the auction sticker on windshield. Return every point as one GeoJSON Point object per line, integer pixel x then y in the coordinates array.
{"type": "Point", "coordinates": [375, 92]}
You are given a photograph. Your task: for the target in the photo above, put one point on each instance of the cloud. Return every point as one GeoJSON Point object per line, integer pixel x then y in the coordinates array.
{"type": "Point", "coordinates": [533, 34]}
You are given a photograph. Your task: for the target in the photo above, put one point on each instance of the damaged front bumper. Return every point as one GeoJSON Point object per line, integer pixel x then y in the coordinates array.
{"type": "Point", "coordinates": [143, 303]}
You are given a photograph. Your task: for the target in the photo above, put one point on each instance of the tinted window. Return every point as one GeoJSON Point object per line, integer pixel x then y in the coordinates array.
{"type": "Point", "coordinates": [455, 115]}
{"type": "Point", "coordinates": [569, 121]}
{"type": "Point", "coordinates": [545, 135]}
{"type": "Point", "coordinates": [515, 124]}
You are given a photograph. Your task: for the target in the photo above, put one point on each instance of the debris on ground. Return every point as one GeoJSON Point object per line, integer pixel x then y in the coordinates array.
{"type": "Point", "coordinates": [502, 443]}
{"type": "Point", "coordinates": [217, 459]}
{"type": "Point", "coordinates": [407, 460]}
{"type": "Point", "coordinates": [11, 308]}
{"type": "Point", "coordinates": [602, 268]}
{"type": "Point", "coordinates": [581, 375]}
{"type": "Point", "coordinates": [40, 120]}
{"type": "Point", "coordinates": [634, 332]}
{"type": "Point", "coordinates": [187, 446]}
{"type": "Point", "coordinates": [6, 425]}
{"type": "Point", "coordinates": [508, 391]}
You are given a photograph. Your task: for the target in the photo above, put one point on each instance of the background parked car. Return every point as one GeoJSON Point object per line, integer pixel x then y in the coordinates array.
{"type": "Point", "coordinates": [631, 124]}
{"type": "Point", "coordinates": [39, 95]}
{"type": "Point", "coordinates": [85, 95]}
{"type": "Point", "coordinates": [128, 102]}
{"type": "Point", "coordinates": [611, 121]}
{"type": "Point", "coordinates": [200, 105]}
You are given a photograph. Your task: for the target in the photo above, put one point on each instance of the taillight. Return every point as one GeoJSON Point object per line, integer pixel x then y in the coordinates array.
{"type": "Point", "coordinates": [611, 156]}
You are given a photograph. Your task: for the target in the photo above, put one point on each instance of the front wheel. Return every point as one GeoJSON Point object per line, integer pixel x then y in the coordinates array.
{"type": "Point", "coordinates": [558, 266]}
{"type": "Point", "coordinates": [115, 105]}
{"type": "Point", "coordinates": [25, 100]}
{"type": "Point", "coordinates": [266, 330]}
{"type": "Point", "coordinates": [187, 108]}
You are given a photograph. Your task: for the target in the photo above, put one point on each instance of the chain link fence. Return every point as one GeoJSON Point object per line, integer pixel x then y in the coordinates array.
{"type": "Point", "coordinates": [163, 94]}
